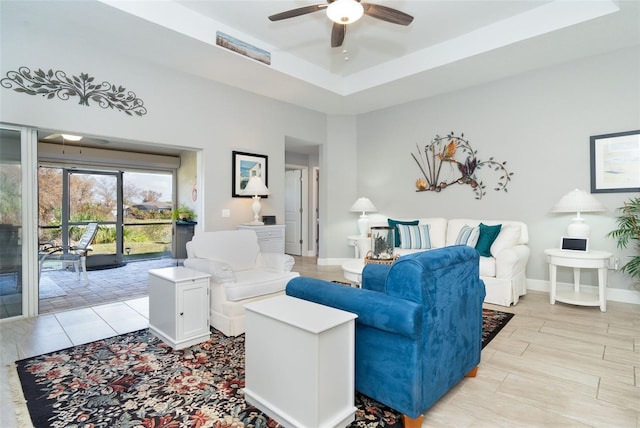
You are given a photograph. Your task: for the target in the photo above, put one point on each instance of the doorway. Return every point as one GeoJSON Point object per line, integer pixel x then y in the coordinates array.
{"type": "Point", "coordinates": [294, 211]}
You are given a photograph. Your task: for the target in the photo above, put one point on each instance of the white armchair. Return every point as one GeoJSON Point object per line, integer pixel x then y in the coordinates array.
{"type": "Point", "coordinates": [240, 274]}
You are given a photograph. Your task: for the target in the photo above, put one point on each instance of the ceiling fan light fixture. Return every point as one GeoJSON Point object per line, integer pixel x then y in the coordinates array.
{"type": "Point", "coordinates": [345, 11]}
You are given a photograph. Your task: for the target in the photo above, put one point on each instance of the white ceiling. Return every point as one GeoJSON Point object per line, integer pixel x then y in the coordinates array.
{"type": "Point", "coordinates": [450, 45]}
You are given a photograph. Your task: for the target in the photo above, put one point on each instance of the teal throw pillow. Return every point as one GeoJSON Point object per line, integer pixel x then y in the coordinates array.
{"type": "Point", "coordinates": [488, 234]}
{"type": "Point", "coordinates": [395, 223]}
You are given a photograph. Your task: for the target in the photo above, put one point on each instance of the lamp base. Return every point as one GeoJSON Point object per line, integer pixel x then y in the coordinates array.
{"type": "Point", "coordinates": [363, 225]}
{"type": "Point", "coordinates": [254, 223]}
{"type": "Point", "coordinates": [578, 229]}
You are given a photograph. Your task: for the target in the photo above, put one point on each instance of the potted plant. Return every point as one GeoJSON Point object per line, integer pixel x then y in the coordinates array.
{"type": "Point", "coordinates": [183, 213]}
{"type": "Point", "coordinates": [627, 232]}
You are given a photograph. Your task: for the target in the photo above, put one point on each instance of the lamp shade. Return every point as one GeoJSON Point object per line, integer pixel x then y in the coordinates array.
{"type": "Point", "coordinates": [577, 201]}
{"type": "Point", "coordinates": [345, 11]}
{"type": "Point", "coordinates": [363, 205]}
{"type": "Point", "coordinates": [255, 186]}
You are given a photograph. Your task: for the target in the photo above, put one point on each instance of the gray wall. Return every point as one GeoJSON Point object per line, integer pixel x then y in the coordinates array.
{"type": "Point", "coordinates": [539, 122]}
{"type": "Point", "coordinates": [183, 110]}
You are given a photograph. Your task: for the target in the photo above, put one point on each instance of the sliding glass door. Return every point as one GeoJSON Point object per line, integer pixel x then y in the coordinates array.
{"type": "Point", "coordinates": [10, 224]}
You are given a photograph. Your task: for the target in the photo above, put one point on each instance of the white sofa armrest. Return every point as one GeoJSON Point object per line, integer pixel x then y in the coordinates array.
{"type": "Point", "coordinates": [277, 261]}
{"type": "Point", "coordinates": [220, 271]}
{"type": "Point", "coordinates": [512, 261]}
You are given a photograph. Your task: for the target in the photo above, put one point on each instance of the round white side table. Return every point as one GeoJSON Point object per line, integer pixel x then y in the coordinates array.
{"type": "Point", "coordinates": [353, 271]}
{"type": "Point", "coordinates": [360, 245]}
{"type": "Point", "coordinates": [579, 260]}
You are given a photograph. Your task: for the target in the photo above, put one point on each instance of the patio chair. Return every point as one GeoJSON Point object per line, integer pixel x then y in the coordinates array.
{"type": "Point", "coordinates": [76, 254]}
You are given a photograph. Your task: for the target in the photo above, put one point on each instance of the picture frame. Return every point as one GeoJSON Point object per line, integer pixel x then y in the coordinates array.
{"type": "Point", "coordinates": [243, 166]}
{"type": "Point", "coordinates": [615, 162]}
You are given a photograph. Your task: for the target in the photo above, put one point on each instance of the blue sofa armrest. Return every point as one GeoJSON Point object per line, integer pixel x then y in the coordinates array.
{"type": "Point", "coordinates": [374, 277]}
{"type": "Point", "coordinates": [391, 314]}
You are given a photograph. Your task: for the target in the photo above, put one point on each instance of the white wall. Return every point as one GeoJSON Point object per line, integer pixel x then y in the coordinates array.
{"type": "Point", "coordinates": [183, 110]}
{"type": "Point", "coordinates": [539, 122]}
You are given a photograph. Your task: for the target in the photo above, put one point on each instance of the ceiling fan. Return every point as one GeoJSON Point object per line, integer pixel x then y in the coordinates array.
{"type": "Point", "coordinates": [344, 12]}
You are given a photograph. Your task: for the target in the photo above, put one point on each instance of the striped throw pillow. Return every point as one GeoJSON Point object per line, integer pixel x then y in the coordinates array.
{"type": "Point", "coordinates": [414, 237]}
{"type": "Point", "coordinates": [468, 236]}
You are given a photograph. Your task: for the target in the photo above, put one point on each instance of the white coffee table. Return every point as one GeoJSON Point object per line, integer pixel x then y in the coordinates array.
{"type": "Point", "coordinates": [352, 271]}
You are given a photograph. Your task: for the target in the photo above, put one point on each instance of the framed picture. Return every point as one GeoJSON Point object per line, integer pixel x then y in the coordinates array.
{"type": "Point", "coordinates": [615, 162]}
{"type": "Point", "coordinates": [246, 165]}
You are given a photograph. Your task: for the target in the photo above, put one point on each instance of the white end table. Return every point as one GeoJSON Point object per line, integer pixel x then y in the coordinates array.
{"type": "Point", "coordinates": [352, 271]}
{"type": "Point", "coordinates": [360, 244]}
{"type": "Point", "coordinates": [579, 260]}
{"type": "Point", "coordinates": [179, 306]}
{"type": "Point", "coordinates": [300, 362]}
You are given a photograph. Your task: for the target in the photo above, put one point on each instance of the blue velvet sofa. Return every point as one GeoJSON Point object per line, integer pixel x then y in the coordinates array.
{"type": "Point", "coordinates": [419, 325]}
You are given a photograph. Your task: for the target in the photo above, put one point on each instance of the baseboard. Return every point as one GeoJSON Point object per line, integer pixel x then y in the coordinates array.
{"type": "Point", "coordinates": [334, 261]}
{"type": "Point", "coordinates": [613, 294]}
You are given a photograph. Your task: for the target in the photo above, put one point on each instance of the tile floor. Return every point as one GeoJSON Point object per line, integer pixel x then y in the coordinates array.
{"type": "Point", "coordinates": [552, 365]}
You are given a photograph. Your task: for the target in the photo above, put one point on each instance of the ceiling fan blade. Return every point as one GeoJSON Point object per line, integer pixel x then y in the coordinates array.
{"type": "Point", "coordinates": [387, 14]}
{"type": "Point", "coordinates": [297, 12]}
{"type": "Point", "coordinates": [337, 34]}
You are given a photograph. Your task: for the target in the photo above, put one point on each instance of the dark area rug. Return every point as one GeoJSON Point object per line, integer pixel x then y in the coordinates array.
{"type": "Point", "coordinates": [136, 380]}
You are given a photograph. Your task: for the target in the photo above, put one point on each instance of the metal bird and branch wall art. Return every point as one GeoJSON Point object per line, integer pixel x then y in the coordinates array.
{"type": "Point", "coordinates": [451, 160]}
{"type": "Point", "coordinates": [52, 84]}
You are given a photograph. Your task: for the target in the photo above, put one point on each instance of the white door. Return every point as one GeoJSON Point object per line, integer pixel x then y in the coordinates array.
{"type": "Point", "coordinates": [293, 212]}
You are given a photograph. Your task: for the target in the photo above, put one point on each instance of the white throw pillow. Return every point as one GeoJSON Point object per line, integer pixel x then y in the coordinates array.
{"type": "Point", "coordinates": [508, 237]}
{"type": "Point", "coordinates": [414, 237]}
{"type": "Point", "coordinates": [468, 236]}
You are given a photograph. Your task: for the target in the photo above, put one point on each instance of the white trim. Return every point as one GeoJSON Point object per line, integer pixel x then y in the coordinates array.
{"type": "Point", "coordinates": [304, 203]}
{"type": "Point", "coordinates": [613, 294]}
{"type": "Point", "coordinates": [315, 197]}
{"type": "Point", "coordinates": [333, 261]}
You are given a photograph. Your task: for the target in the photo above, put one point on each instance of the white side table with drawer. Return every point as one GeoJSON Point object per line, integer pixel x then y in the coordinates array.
{"type": "Point", "coordinates": [270, 237]}
{"type": "Point", "coordinates": [300, 362]}
{"type": "Point", "coordinates": [179, 306]}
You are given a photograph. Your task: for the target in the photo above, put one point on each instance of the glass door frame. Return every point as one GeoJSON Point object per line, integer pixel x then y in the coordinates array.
{"type": "Point", "coordinates": [94, 259]}
{"type": "Point", "coordinates": [29, 216]}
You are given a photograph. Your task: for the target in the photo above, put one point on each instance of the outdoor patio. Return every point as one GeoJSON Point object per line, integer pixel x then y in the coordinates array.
{"type": "Point", "coordinates": [61, 290]}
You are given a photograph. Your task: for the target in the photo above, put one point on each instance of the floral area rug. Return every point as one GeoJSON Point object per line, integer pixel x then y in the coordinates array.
{"type": "Point", "coordinates": [135, 380]}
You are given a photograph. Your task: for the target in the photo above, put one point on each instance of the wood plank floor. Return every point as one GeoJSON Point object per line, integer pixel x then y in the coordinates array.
{"type": "Point", "coordinates": [551, 366]}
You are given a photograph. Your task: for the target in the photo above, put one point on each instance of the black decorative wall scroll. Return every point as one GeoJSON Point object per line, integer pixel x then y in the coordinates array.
{"type": "Point", "coordinates": [51, 84]}
{"type": "Point", "coordinates": [451, 160]}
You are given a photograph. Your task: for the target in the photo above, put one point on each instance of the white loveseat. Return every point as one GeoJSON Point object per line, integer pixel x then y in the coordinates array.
{"type": "Point", "coordinates": [504, 273]}
{"type": "Point", "coordinates": [240, 274]}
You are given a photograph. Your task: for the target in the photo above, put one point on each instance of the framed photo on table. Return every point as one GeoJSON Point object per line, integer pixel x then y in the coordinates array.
{"type": "Point", "coordinates": [244, 166]}
{"type": "Point", "coordinates": [615, 162]}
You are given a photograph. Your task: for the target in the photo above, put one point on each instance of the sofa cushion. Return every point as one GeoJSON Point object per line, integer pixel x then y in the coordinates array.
{"type": "Point", "coordinates": [488, 267]}
{"type": "Point", "coordinates": [488, 234]}
{"type": "Point", "coordinates": [257, 282]}
{"type": "Point", "coordinates": [468, 236]}
{"type": "Point", "coordinates": [414, 237]}
{"type": "Point", "coordinates": [507, 238]}
{"type": "Point", "coordinates": [395, 223]}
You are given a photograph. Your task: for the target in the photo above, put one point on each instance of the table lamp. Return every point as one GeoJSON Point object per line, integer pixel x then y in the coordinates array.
{"type": "Point", "coordinates": [363, 205]}
{"type": "Point", "coordinates": [256, 188]}
{"type": "Point", "coordinates": [578, 201]}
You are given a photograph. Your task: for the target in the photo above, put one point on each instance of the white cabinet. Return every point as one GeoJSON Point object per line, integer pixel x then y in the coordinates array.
{"type": "Point", "coordinates": [179, 306]}
{"type": "Point", "coordinates": [300, 362]}
{"type": "Point", "coordinates": [270, 238]}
